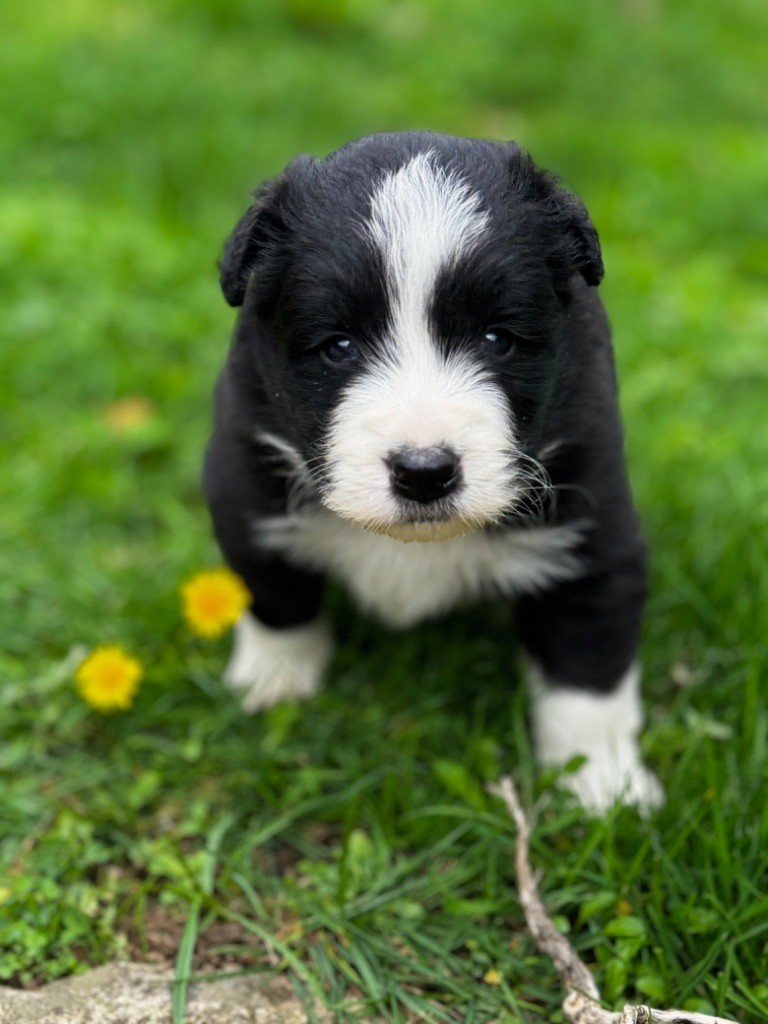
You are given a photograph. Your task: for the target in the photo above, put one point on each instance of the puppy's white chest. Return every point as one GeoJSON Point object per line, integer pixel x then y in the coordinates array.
{"type": "Point", "coordinates": [405, 583]}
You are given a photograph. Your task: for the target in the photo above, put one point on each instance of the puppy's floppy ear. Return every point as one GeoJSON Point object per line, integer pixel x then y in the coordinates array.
{"type": "Point", "coordinates": [577, 248]}
{"type": "Point", "coordinates": [264, 223]}
{"type": "Point", "coordinates": [259, 224]}
{"type": "Point", "coordinates": [585, 254]}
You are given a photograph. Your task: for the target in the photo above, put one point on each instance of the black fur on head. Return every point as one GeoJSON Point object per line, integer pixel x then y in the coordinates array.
{"type": "Point", "coordinates": [267, 220]}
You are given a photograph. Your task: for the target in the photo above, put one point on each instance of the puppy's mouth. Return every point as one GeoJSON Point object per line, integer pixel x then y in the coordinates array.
{"type": "Point", "coordinates": [425, 486]}
{"type": "Point", "coordinates": [418, 523]}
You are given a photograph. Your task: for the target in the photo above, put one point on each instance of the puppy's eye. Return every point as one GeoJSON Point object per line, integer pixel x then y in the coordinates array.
{"type": "Point", "coordinates": [338, 351]}
{"type": "Point", "coordinates": [498, 342]}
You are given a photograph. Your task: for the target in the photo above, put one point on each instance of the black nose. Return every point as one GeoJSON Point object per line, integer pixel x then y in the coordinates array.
{"type": "Point", "coordinates": [424, 474]}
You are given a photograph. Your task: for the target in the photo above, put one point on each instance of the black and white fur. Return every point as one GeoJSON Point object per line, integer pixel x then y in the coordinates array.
{"type": "Point", "coordinates": [420, 401]}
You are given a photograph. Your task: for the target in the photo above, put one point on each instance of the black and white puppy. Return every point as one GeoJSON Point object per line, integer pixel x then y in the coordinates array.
{"type": "Point", "coordinates": [420, 401]}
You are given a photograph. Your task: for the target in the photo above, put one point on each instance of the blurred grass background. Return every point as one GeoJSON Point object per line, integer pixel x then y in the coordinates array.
{"type": "Point", "coordinates": [130, 136]}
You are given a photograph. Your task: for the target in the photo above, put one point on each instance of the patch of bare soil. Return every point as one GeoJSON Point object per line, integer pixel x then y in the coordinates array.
{"type": "Point", "coordinates": [222, 946]}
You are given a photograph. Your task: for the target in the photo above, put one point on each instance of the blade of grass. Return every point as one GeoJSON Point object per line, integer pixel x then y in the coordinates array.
{"type": "Point", "coordinates": [189, 937]}
{"type": "Point", "coordinates": [184, 964]}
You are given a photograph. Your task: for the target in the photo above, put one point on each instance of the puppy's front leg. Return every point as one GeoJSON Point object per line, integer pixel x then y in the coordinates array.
{"type": "Point", "coordinates": [581, 641]}
{"type": "Point", "coordinates": [282, 645]}
{"type": "Point", "coordinates": [271, 665]}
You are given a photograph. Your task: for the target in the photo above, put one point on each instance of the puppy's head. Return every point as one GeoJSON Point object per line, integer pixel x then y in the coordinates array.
{"type": "Point", "coordinates": [406, 299]}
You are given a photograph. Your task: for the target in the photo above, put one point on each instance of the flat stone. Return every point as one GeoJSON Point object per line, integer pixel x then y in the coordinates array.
{"type": "Point", "coordinates": [127, 993]}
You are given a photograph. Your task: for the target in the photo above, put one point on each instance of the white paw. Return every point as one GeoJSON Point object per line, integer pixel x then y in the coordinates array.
{"type": "Point", "coordinates": [603, 728]}
{"type": "Point", "coordinates": [602, 782]}
{"type": "Point", "coordinates": [268, 666]}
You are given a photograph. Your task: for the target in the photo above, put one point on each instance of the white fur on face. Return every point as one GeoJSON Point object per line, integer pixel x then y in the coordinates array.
{"type": "Point", "coordinates": [422, 220]}
{"type": "Point", "coordinates": [603, 728]}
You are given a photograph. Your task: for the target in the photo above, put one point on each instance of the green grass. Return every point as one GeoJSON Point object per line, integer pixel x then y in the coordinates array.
{"type": "Point", "coordinates": [351, 839]}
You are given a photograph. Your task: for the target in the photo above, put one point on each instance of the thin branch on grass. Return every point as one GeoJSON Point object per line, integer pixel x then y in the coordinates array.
{"type": "Point", "coordinates": [582, 1001]}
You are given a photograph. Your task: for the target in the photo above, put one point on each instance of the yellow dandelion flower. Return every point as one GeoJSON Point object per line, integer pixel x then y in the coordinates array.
{"type": "Point", "coordinates": [108, 679]}
{"type": "Point", "coordinates": [492, 977]}
{"type": "Point", "coordinates": [213, 601]}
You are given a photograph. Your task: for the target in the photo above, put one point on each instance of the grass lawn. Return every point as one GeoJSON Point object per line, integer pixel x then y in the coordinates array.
{"type": "Point", "coordinates": [349, 842]}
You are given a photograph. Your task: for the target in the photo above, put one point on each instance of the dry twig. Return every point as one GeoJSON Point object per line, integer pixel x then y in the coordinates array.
{"type": "Point", "coordinates": [582, 1001]}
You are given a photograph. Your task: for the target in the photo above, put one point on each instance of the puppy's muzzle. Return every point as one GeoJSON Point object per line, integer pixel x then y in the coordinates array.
{"type": "Point", "coordinates": [424, 474]}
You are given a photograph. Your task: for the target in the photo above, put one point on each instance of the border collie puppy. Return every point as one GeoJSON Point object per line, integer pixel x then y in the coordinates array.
{"type": "Point", "coordinates": [420, 401]}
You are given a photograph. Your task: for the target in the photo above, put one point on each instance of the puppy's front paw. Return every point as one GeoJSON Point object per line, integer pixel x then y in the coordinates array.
{"type": "Point", "coordinates": [603, 780]}
{"type": "Point", "coordinates": [273, 665]}
{"type": "Point", "coordinates": [604, 729]}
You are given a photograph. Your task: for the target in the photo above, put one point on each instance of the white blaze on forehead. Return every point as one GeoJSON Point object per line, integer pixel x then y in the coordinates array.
{"type": "Point", "coordinates": [422, 219]}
